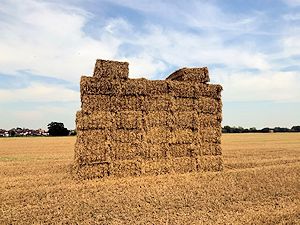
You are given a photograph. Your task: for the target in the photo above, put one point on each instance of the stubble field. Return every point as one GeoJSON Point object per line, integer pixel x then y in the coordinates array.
{"type": "Point", "coordinates": [260, 184]}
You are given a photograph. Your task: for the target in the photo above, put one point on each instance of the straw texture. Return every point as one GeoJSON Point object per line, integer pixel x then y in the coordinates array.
{"type": "Point", "coordinates": [190, 74]}
{"type": "Point", "coordinates": [133, 127]}
{"type": "Point", "coordinates": [111, 69]}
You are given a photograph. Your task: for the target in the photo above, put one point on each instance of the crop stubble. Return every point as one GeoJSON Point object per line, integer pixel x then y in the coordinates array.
{"type": "Point", "coordinates": [259, 185]}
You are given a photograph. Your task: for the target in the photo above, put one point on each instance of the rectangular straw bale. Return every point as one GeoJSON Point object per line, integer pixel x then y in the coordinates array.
{"type": "Point", "coordinates": [96, 120]}
{"type": "Point", "coordinates": [156, 167]}
{"type": "Point", "coordinates": [157, 87]}
{"type": "Point", "coordinates": [208, 105]}
{"type": "Point", "coordinates": [183, 104]}
{"type": "Point", "coordinates": [195, 120]}
{"type": "Point", "coordinates": [123, 168]}
{"type": "Point", "coordinates": [158, 135]}
{"type": "Point", "coordinates": [135, 87]}
{"type": "Point", "coordinates": [181, 89]}
{"type": "Point", "coordinates": [95, 170]}
{"type": "Point", "coordinates": [90, 143]}
{"type": "Point", "coordinates": [173, 165]}
{"type": "Point", "coordinates": [184, 164]}
{"type": "Point", "coordinates": [157, 119]}
{"type": "Point", "coordinates": [193, 150]}
{"type": "Point", "coordinates": [185, 120]}
{"type": "Point", "coordinates": [111, 69]}
{"type": "Point", "coordinates": [89, 156]}
{"type": "Point", "coordinates": [78, 150]}
{"type": "Point", "coordinates": [100, 86]}
{"type": "Point", "coordinates": [209, 163]}
{"type": "Point", "coordinates": [90, 137]}
{"type": "Point", "coordinates": [126, 136]}
{"type": "Point", "coordinates": [180, 150]}
{"type": "Point", "coordinates": [129, 120]}
{"type": "Point", "coordinates": [125, 151]}
{"type": "Point", "coordinates": [145, 151]}
{"type": "Point", "coordinates": [154, 151]}
{"type": "Point", "coordinates": [77, 153]}
{"type": "Point", "coordinates": [207, 120]}
{"type": "Point", "coordinates": [92, 153]}
{"type": "Point", "coordinates": [207, 90]}
{"type": "Point", "coordinates": [209, 134]}
{"type": "Point", "coordinates": [93, 103]}
{"type": "Point", "coordinates": [207, 148]}
{"type": "Point", "coordinates": [191, 75]}
{"type": "Point", "coordinates": [158, 103]}
{"type": "Point", "coordinates": [183, 136]}
{"type": "Point", "coordinates": [127, 103]}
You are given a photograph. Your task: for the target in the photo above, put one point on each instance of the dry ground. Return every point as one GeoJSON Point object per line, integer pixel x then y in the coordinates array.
{"type": "Point", "coordinates": [260, 184]}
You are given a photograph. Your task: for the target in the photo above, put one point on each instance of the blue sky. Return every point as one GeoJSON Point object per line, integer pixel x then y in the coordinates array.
{"type": "Point", "coordinates": [251, 47]}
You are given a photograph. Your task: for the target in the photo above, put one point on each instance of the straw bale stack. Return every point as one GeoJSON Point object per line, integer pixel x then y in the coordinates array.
{"type": "Point", "coordinates": [133, 127]}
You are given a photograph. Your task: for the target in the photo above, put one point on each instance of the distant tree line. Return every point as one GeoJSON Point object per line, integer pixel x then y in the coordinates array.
{"type": "Point", "coordinates": [54, 129]}
{"type": "Point", "coordinates": [58, 129]}
{"type": "Point", "coordinates": [228, 129]}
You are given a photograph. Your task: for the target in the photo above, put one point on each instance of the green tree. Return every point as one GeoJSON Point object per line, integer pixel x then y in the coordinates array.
{"type": "Point", "coordinates": [57, 129]}
{"type": "Point", "coordinates": [12, 133]}
{"type": "Point", "coordinates": [265, 130]}
{"type": "Point", "coordinates": [296, 128]}
{"type": "Point", "coordinates": [226, 129]}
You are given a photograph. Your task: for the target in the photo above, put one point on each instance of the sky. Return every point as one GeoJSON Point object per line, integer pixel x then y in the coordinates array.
{"type": "Point", "coordinates": [251, 48]}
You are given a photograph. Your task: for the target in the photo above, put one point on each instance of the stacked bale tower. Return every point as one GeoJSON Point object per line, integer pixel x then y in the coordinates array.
{"type": "Point", "coordinates": [137, 126]}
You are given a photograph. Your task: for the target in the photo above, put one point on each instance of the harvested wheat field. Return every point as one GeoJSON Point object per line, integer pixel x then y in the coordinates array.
{"type": "Point", "coordinates": [259, 184]}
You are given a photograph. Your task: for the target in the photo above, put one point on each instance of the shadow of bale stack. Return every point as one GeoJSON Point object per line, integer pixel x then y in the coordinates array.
{"type": "Point", "coordinates": [132, 127]}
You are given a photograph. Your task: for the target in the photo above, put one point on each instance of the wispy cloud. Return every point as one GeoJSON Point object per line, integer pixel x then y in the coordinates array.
{"type": "Point", "coordinates": [290, 17]}
{"type": "Point", "coordinates": [48, 38]}
{"type": "Point", "coordinates": [293, 3]}
{"type": "Point", "coordinates": [262, 86]}
{"type": "Point", "coordinates": [38, 92]}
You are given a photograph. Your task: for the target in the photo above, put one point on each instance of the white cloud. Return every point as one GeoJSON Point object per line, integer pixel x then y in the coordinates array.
{"type": "Point", "coordinates": [195, 13]}
{"type": "Point", "coordinates": [183, 49]}
{"type": "Point", "coordinates": [38, 92]}
{"type": "Point", "coordinates": [145, 66]}
{"type": "Point", "coordinates": [48, 39]}
{"type": "Point", "coordinates": [262, 86]}
{"type": "Point", "coordinates": [293, 3]}
{"type": "Point", "coordinates": [290, 17]}
{"type": "Point", "coordinates": [290, 42]}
